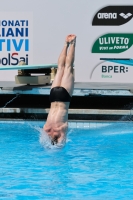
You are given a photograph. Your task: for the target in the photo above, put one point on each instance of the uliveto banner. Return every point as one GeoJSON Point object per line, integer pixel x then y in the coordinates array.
{"type": "Point", "coordinates": [113, 43]}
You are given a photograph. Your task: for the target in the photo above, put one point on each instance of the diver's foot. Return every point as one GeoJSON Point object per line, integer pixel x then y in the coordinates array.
{"type": "Point", "coordinates": [72, 40]}
{"type": "Point", "coordinates": [67, 41]}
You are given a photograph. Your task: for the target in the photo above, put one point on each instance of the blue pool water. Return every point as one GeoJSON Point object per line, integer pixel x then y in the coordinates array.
{"type": "Point", "coordinates": [95, 164]}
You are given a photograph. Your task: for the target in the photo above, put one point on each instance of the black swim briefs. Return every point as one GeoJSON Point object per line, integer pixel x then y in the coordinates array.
{"type": "Point", "coordinates": [59, 94]}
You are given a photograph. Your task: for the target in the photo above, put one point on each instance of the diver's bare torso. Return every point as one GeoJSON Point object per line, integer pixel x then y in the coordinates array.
{"type": "Point", "coordinates": [57, 117]}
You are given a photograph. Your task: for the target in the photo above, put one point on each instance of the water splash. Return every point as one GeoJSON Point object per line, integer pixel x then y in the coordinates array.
{"type": "Point", "coordinates": [45, 140]}
{"type": "Point", "coordinates": [11, 100]}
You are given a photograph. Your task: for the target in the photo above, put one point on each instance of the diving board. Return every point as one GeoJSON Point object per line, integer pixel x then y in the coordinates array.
{"type": "Point", "coordinates": [24, 67]}
{"type": "Point", "coordinates": [46, 73]}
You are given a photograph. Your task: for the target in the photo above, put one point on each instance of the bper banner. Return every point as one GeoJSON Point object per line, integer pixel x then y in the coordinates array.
{"type": "Point", "coordinates": [113, 70]}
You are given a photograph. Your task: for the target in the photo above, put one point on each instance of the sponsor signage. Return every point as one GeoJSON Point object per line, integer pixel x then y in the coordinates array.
{"type": "Point", "coordinates": [113, 43]}
{"type": "Point", "coordinates": [113, 16]}
{"type": "Point", "coordinates": [113, 70]}
{"type": "Point", "coordinates": [15, 38]}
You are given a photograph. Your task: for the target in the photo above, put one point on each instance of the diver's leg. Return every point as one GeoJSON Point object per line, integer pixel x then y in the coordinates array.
{"type": "Point", "coordinates": [61, 66]}
{"type": "Point", "coordinates": [68, 76]}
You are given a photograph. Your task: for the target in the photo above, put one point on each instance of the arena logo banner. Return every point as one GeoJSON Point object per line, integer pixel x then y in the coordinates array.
{"type": "Point", "coordinates": [16, 38]}
{"type": "Point", "coordinates": [113, 16]}
{"type": "Point", "coordinates": [113, 43]}
{"type": "Point", "coordinates": [113, 70]}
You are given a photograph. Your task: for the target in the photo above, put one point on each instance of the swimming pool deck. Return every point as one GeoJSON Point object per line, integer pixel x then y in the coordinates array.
{"type": "Point", "coordinates": [80, 89]}
{"type": "Point", "coordinates": [94, 93]}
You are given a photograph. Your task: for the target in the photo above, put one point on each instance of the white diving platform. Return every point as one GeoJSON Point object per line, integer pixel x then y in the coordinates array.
{"type": "Point", "coordinates": [45, 73]}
